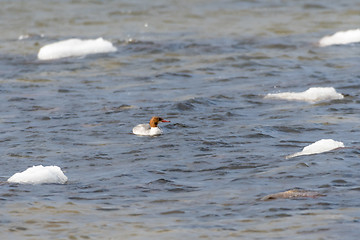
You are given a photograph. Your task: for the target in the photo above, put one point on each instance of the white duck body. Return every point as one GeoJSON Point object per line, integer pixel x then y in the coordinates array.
{"type": "Point", "coordinates": [146, 130]}
{"type": "Point", "coordinates": [150, 129]}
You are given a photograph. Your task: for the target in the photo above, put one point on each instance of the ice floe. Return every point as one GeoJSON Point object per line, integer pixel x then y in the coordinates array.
{"type": "Point", "coordinates": [314, 94]}
{"type": "Point", "coordinates": [75, 48]}
{"type": "Point", "coordinates": [342, 37]}
{"type": "Point", "coordinates": [323, 145]}
{"type": "Point", "coordinates": [39, 175]}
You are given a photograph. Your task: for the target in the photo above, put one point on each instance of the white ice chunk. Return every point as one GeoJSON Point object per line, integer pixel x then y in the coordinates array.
{"type": "Point", "coordinates": [75, 48]}
{"type": "Point", "coordinates": [39, 175]}
{"type": "Point", "coordinates": [323, 145]}
{"type": "Point", "coordinates": [314, 94]}
{"type": "Point", "coordinates": [342, 37]}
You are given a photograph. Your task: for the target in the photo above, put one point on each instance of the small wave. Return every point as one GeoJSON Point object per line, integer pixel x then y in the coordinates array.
{"type": "Point", "coordinates": [340, 38]}
{"type": "Point", "coordinates": [192, 103]}
{"type": "Point", "coordinates": [184, 106]}
{"type": "Point", "coordinates": [167, 185]}
{"type": "Point", "coordinates": [323, 145]}
{"type": "Point", "coordinates": [314, 94]}
{"type": "Point", "coordinates": [75, 48]}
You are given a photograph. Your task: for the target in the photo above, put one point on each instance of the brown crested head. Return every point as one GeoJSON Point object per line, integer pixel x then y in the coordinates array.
{"type": "Point", "coordinates": [155, 120]}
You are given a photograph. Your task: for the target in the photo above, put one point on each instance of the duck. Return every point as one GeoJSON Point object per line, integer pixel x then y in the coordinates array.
{"type": "Point", "coordinates": [150, 129]}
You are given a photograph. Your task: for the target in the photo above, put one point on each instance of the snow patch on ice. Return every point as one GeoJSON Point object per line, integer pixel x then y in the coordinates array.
{"type": "Point", "coordinates": [75, 48]}
{"type": "Point", "coordinates": [314, 94]}
{"type": "Point", "coordinates": [323, 145]}
{"type": "Point", "coordinates": [39, 175]}
{"type": "Point", "coordinates": [342, 37]}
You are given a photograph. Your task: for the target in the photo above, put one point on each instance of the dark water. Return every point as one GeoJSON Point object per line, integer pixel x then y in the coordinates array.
{"type": "Point", "coordinates": [204, 65]}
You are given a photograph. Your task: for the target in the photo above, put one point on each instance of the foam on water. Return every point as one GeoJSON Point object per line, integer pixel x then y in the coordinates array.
{"type": "Point", "coordinates": [342, 37]}
{"type": "Point", "coordinates": [39, 175]}
{"type": "Point", "coordinates": [323, 145]}
{"type": "Point", "coordinates": [314, 94]}
{"type": "Point", "coordinates": [75, 48]}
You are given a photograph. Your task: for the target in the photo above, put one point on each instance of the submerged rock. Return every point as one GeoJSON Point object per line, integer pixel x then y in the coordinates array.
{"type": "Point", "coordinates": [292, 194]}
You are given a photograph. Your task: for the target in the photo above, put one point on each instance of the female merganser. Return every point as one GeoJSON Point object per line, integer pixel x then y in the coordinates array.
{"type": "Point", "coordinates": [150, 129]}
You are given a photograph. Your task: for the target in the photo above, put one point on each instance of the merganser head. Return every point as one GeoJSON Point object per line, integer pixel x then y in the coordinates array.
{"type": "Point", "coordinates": [155, 120]}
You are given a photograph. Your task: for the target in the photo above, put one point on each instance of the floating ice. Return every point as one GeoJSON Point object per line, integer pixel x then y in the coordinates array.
{"type": "Point", "coordinates": [75, 48]}
{"type": "Point", "coordinates": [323, 145]}
{"type": "Point", "coordinates": [39, 175]}
{"type": "Point", "coordinates": [314, 94]}
{"type": "Point", "coordinates": [342, 37]}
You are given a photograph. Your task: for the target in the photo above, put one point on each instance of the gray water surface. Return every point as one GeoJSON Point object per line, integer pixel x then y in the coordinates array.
{"type": "Point", "coordinates": [205, 66]}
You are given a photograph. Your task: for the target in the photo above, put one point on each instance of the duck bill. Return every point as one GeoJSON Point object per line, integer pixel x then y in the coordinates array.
{"type": "Point", "coordinates": [164, 121]}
